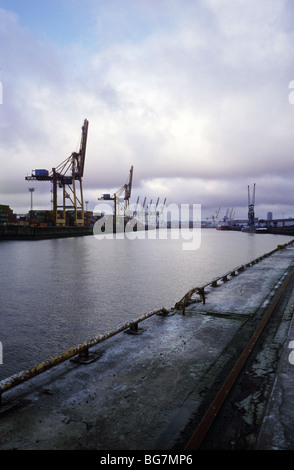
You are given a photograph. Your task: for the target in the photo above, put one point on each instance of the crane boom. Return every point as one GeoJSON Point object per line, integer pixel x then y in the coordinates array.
{"type": "Point", "coordinates": [128, 186]}
{"type": "Point", "coordinates": [80, 157]}
{"type": "Point", "coordinates": [253, 197]}
{"type": "Point", "coordinates": [251, 221]}
{"type": "Point", "coordinates": [251, 201]}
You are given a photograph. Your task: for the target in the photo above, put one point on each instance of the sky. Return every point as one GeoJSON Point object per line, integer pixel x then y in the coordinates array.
{"type": "Point", "coordinates": [195, 94]}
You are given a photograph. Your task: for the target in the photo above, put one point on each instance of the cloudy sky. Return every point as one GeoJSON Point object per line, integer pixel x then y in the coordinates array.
{"type": "Point", "coordinates": [195, 94]}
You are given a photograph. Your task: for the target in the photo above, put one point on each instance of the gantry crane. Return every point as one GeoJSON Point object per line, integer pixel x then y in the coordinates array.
{"type": "Point", "coordinates": [123, 196]}
{"type": "Point", "coordinates": [121, 200]}
{"type": "Point", "coordinates": [251, 202]}
{"type": "Point", "coordinates": [136, 207]}
{"type": "Point", "coordinates": [153, 212]}
{"type": "Point", "coordinates": [65, 177]}
{"type": "Point", "coordinates": [215, 218]}
{"type": "Point", "coordinates": [159, 211]}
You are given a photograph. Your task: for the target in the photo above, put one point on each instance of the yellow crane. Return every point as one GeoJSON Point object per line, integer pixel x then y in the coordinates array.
{"type": "Point", "coordinates": [67, 176]}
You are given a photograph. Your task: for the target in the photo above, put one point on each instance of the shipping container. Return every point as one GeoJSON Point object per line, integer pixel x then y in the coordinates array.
{"type": "Point", "coordinates": [41, 172]}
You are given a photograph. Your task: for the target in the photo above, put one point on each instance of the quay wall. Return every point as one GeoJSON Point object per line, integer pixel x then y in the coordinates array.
{"type": "Point", "coordinates": [15, 232]}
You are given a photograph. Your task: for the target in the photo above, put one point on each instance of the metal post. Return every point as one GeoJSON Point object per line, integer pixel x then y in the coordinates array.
{"type": "Point", "coordinates": [31, 191]}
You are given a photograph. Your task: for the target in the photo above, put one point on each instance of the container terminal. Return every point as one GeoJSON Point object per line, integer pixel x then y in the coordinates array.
{"type": "Point", "coordinates": [68, 216]}
{"type": "Point", "coordinates": [214, 372]}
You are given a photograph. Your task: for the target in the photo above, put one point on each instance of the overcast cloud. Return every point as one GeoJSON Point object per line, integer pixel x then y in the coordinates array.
{"type": "Point", "coordinates": [194, 94]}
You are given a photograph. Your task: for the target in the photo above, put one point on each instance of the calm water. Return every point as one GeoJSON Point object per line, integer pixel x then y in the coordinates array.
{"type": "Point", "coordinates": [56, 294]}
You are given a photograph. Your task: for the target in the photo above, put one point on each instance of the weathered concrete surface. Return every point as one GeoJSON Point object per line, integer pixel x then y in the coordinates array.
{"type": "Point", "coordinates": [276, 431]}
{"type": "Point", "coordinates": [144, 389]}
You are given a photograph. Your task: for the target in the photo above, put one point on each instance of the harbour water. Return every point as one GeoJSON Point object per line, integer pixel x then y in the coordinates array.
{"type": "Point", "coordinates": [58, 293]}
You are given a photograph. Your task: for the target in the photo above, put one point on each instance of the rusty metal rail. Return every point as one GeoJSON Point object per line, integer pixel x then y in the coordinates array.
{"type": "Point", "coordinates": [82, 350]}
{"type": "Point", "coordinates": [187, 298]}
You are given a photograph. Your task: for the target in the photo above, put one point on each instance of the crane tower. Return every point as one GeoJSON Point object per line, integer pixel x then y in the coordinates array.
{"type": "Point", "coordinates": [68, 178]}
{"type": "Point", "coordinates": [123, 196]}
{"type": "Point", "coordinates": [251, 202]}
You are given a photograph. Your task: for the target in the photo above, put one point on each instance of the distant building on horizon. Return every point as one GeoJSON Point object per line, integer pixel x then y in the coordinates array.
{"type": "Point", "coordinates": [269, 216]}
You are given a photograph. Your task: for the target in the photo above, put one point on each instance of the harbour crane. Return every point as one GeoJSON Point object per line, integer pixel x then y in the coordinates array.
{"type": "Point", "coordinates": [66, 176]}
{"type": "Point", "coordinates": [136, 206]}
{"type": "Point", "coordinates": [232, 215]}
{"type": "Point", "coordinates": [144, 216]}
{"type": "Point", "coordinates": [121, 199]}
{"type": "Point", "coordinates": [214, 217]}
{"type": "Point", "coordinates": [159, 211]}
{"type": "Point", "coordinates": [251, 203]}
{"type": "Point", "coordinates": [153, 212]}
{"type": "Point", "coordinates": [123, 195]}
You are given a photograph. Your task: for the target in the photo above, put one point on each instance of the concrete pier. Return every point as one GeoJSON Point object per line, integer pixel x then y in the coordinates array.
{"type": "Point", "coordinates": [148, 389]}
